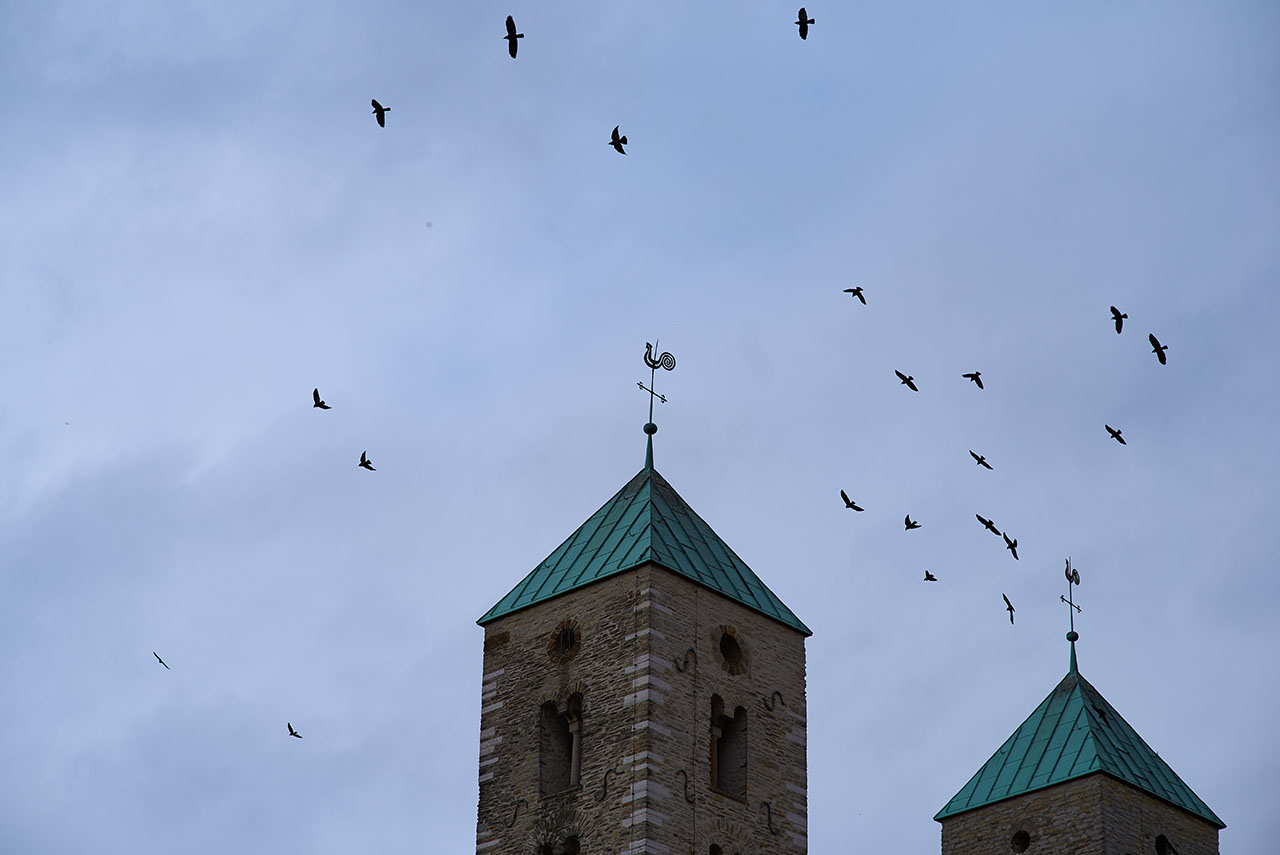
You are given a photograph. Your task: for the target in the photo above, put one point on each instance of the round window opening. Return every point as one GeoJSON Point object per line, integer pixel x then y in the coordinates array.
{"type": "Point", "coordinates": [1021, 841]}
{"type": "Point", "coordinates": [1162, 845]}
{"type": "Point", "coordinates": [565, 641]}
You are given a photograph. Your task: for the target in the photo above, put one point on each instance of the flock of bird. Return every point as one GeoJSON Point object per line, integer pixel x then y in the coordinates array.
{"type": "Point", "coordinates": [1011, 544]}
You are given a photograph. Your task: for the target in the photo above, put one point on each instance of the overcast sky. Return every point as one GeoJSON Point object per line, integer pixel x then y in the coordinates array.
{"type": "Point", "coordinates": [202, 221]}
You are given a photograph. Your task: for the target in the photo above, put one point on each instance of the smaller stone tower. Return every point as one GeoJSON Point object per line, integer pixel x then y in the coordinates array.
{"type": "Point", "coordinates": [1076, 778]}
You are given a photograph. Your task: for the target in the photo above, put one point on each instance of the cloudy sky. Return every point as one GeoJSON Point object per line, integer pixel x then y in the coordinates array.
{"type": "Point", "coordinates": [202, 221]}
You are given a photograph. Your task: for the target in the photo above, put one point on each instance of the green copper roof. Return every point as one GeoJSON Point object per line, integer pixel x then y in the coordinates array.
{"type": "Point", "coordinates": [646, 521]}
{"type": "Point", "coordinates": [1074, 732]}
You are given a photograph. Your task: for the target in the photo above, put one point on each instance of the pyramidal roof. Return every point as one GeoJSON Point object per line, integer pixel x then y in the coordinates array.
{"type": "Point", "coordinates": [1074, 732]}
{"type": "Point", "coordinates": [646, 521]}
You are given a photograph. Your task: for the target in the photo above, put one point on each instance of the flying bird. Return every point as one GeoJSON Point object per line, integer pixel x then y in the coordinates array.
{"type": "Point", "coordinates": [1008, 605]}
{"type": "Point", "coordinates": [849, 503]}
{"type": "Point", "coordinates": [161, 661]}
{"type": "Point", "coordinates": [293, 732]}
{"type": "Point", "coordinates": [857, 292]}
{"type": "Point", "coordinates": [315, 397]}
{"type": "Point", "coordinates": [929, 577]}
{"type": "Point", "coordinates": [1011, 545]}
{"type": "Point", "coordinates": [976, 377]}
{"type": "Point", "coordinates": [907, 380]}
{"type": "Point", "coordinates": [1157, 348]}
{"type": "Point", "coordinates": [616, 141]}
{"type": "Point", "coordinates": [988, 524]}
{"type": "Point", "coordinates": [511, 36]}
{"type": "Point", "coordinates": [381, 112]}
{"type": "Point", "coordinates": [1115, 434]}
{"type": "Point", "coordinates": [911, 523]}
{"type": "Point", "coordinates": [365, 464]}
{"type": "Point", "coordinates": [982, 461]}
{"type": "Point", "coordinates": [1118, 318]}
{"type": "Point", "coordinates": [803, 21]}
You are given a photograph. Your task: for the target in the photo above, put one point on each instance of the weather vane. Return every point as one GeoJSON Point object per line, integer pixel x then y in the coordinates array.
{"type": "Point", "coordinates": [665, 360]}
{"type": "Point", "coordinates": [1073, 578]}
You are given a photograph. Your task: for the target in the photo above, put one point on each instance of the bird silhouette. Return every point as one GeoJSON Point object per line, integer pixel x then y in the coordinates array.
{"type": "Point", "coordinates": [161, 661]}
{"type": "Point", "coordinates": [929, 577]}
{"type": "Point", "coordinates": [1008, 605]}
{"type": "Point", "coordinates": [1011, 545]}
{"type": "Point", "coordinates": [1073, 575]}
{"type": "Point", "coordinates": [988, 524]}
{"type": "Point", "coordinates": [976, 377]}
{"type": "Point", "coordinates": [1115, 434]}
{"type": "Point", "coordinates": [293, 732]}
{"type": "Point", "coordinates": [911, 523]}
{"type": "Point", "coordinates": [315, 397]}
{"type": "Point", "coordinates": [511, 36]}
{"type": "Point", "coordinates": [381, 112]}
{"type": "Point", "coordinates": [365, 464]}
{"type": "Point", "coordinates": [849, 503]}
{"type": "Point", "coordinates": [857, 292]}
{"type": "Point", "coordinates": [907, 380]}
{"type": "Point", "coordinates": [616, 141]}
{"type": "Point", "coordinates": [982, 461]}
{"type": "Point", "coordinates": [803, 21]}
{"type": "Point", "coordinates": [1157, 348]}
{"type": "Point", "coordinates": [1118, 318]}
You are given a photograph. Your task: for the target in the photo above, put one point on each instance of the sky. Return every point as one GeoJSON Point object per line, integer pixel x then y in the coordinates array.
{"type": "Point", "coordinates": [202, 221]}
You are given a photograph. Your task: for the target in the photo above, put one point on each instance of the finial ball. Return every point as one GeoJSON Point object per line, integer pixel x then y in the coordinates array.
{"type": "Point", "coordinates": [1072, 635]}
{"type": "Point", "coordinates": [650, 428]}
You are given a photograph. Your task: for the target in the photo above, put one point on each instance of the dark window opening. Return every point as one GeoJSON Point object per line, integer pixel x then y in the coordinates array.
{"type": "Point", "coordinates": [571, 846]}
{"type": "Point", "coordinates": [1021, 841]}
{"type": "Point", "coordinates": [1164, 847]}
{"type": "Point", "coordinates": [728, 749]}
{"type": "Point", "coordinates": [545, 849]}
{"type": "Point", "coordinates": [715, 850]}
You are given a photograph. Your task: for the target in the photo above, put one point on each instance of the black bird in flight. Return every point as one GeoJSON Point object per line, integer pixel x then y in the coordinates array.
{"type": "Point", "coordinates": [1118, 318]}
{"type": "Point", "coordinates": [982, 461]}
{"type": "Point", "coordinates": [365, 464]}
{"type": "Point", "coordinates": [907, 380]}
{"type": "Point", "coordinates": [976, 377]}
{"type": "Point", "coordinates": [381, 112]}
{"type": "Point", "coordinates": [988, 524]}
{"type": "Point", "coordinates": [293, 732]}
{"type": "Point", "coordinates": [1008, 605]}
{"type": "Point", "coordinates": [857, 292]}
{"type": "Point", "coordinates": [1157, 348]}
{"type": "Point", "coordinates": [1011, 545]}
{"type": "Point", "coordinates": [616, 141]}
{"type": "Point", "coordinates": [511, 36]}
{"type": "Point", "coordinates": [315, 397]}
{"type": "Point", "coordinates": [929, 577]}
{"type": "Point", "coordinates": [911, 523]}
{"type": "Point", "coordinates": [803, 21]}
{"type": "Point", "coordinates": [161, 661]}
{"type": "Point", "coordinates": [849, 503]}
{"type": "Point", "coordinates": [1115, 434]}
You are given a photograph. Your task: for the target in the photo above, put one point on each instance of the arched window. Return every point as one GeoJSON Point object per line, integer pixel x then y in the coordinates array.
{"type": "Point", "coordinates": [560, 746]}
{"type": "Point", "coordinates": [715, 850]}
{"type": "Point", "coordinates": [728, 749]}
{"type": "Point", "coordinates": [571, 846]}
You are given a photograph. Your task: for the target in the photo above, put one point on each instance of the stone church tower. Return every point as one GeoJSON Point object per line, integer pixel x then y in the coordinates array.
{"type": "Point", "coordinates": [643, 692]}
{"type": "Point", "coordinates": [1076, 778]}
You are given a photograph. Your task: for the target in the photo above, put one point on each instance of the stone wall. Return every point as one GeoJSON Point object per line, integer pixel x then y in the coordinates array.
{"type": "Point", "coordinates": [1093, 815]}
{"type": "Point", "coordinates": [646, 723]}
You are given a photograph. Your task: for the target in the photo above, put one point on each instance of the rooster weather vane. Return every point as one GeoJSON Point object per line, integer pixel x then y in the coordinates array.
{"type": "Point", "coordinates": [664, 360]}
{"type": "Point", "coordinates": [1073, 578]}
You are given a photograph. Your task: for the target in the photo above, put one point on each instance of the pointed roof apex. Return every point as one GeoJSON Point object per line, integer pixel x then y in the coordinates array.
{"type": "Point", "coordinates": [1074, 732]}
{"type": "Point", "coordinates": [646, 521]}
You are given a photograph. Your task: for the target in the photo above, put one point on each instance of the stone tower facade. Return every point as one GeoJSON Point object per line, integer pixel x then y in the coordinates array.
{"type": "Point", "coordinates": [1076, 777]}
{"type": "Point", "coordinates": [629, 705]}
